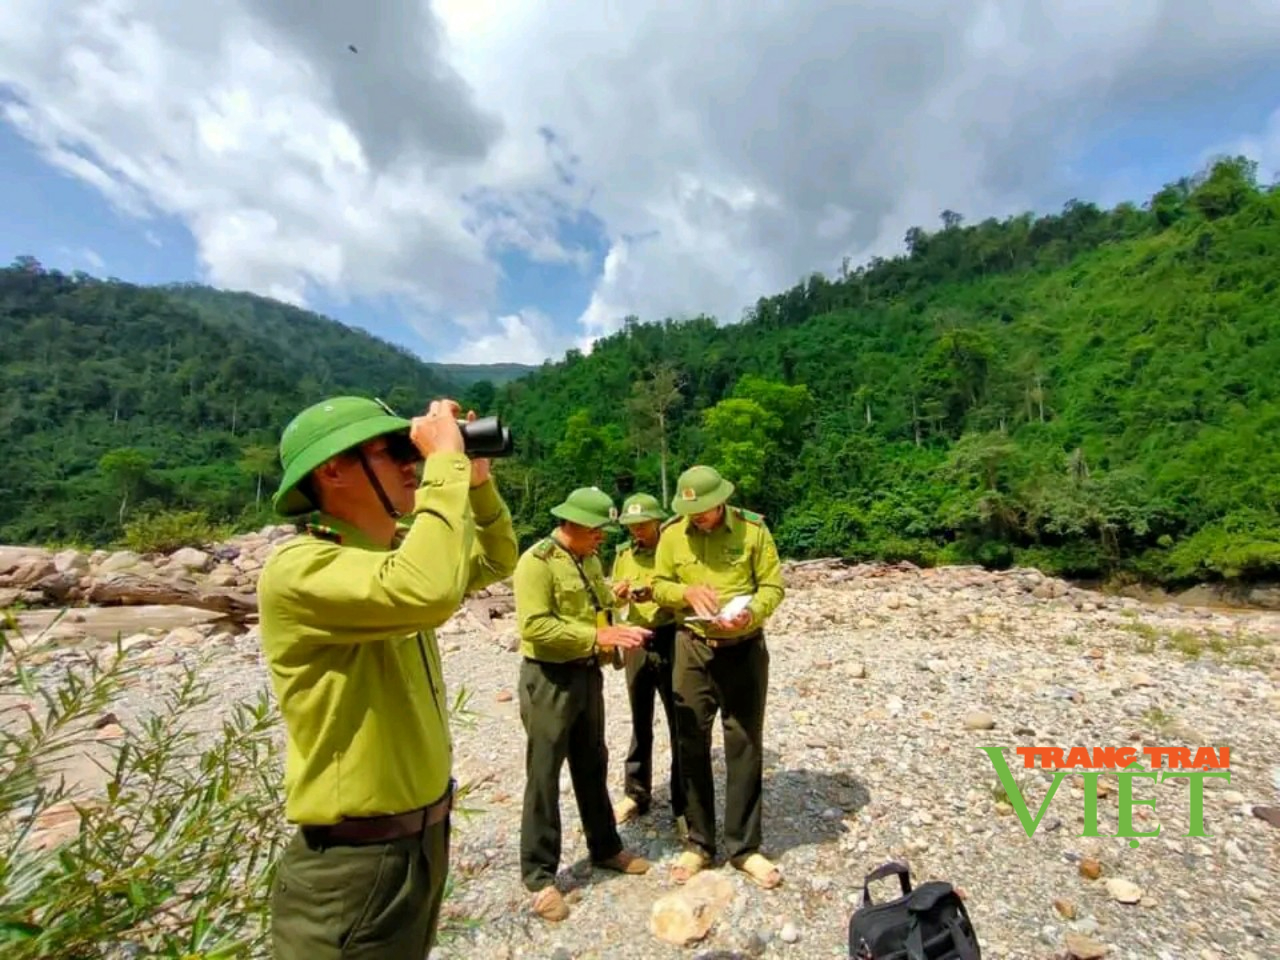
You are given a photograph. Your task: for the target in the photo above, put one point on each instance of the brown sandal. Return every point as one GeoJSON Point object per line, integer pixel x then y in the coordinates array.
{"type": "Point", "coordinates": [624, 861]}
{"type": "Point", "coordinates": [550, 905]}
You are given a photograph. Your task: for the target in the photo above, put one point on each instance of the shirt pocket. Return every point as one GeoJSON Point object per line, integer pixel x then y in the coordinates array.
{"type": "Point", "coordinates": [573, 600]}
{"type": "Point", "coordinates": [687, 569]}
{"type": "Point", "coordinates": [738, 561]}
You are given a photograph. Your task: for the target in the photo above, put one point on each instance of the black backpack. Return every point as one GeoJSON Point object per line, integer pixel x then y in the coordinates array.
{"type": "Point", "coordinates": [927, 923]}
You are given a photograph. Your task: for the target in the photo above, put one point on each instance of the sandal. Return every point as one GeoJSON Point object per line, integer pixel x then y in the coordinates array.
{"type": "Point", "coordinates": [550, 905]}
{"type": "Point", "coordinates": [687, 864]}
{"type": "Point", "coordinates": [759, 870]}
{"type": "Point", "coordinates": [625, 862]}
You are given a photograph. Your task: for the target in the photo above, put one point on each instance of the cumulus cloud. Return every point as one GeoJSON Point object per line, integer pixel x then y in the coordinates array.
{"type": "Point", "coordinates": [294, 162]}
{"type": "Point", "coordinates": [728, 150]}
{"type": "Point", "coordinates": [732, 156]}
{"type": "Point", "coordinates": [525, 337]}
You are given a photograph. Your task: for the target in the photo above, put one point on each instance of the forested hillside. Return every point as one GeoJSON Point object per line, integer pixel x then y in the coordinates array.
{"type": "Point", "coordinates": [118, 400]}
{"type": "Point", "coordinates": [1091, 392]}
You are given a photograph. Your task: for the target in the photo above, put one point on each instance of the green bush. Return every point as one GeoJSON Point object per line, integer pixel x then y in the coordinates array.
{"type": "Point", "coordinates": [168, 530]}
{"type": "Point", "coordinates": [176, 858]}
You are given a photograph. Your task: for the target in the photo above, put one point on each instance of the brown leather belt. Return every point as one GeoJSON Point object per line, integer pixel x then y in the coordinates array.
{"type": "Point", "coordinates": [717, 643]}
{"type": "Point", "coordinates": [353, 831]}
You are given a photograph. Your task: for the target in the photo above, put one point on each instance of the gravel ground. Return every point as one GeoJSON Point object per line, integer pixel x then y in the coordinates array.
{"type": "Point", "coordinates": [886, 684]}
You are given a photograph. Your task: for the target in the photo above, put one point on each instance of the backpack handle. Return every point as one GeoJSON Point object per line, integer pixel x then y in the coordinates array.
{"type": "Point", "coordinates": [887, 870]}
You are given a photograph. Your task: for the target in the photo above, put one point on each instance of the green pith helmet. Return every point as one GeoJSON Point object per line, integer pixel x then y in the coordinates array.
{"type": "Point", "coordinates": [640, 508]}
{"type": "Point", "coordinates": [699, 489]}
{"type": "Point", "coordinates": [322, 431]}
{"type": "Point", "coordinates": [588, 506]}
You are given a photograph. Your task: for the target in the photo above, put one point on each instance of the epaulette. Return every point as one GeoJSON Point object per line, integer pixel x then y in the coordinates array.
{"type": "Point", "coordinates": [674, 518]}
{"type": "Point", "coordinates": [543, 548]}
{"type": "Point", "coordinates": [622, 548]}
{"type": "Point", "coordinates": [750, 516]}
{"type": "Point", "coordinates": [322, 532]}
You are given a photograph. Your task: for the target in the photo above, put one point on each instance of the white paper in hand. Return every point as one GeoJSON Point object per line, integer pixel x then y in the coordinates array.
{"type": "Point", "coordinates": [730, 610]}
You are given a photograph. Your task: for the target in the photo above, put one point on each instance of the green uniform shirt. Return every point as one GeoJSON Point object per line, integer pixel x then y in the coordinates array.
{"type": "Point", "coordinates": [634, 564]}
{"type": "Point", "coordinates": [348, 634]}
{"type": "Point", "coordinates": [738, 557]}
{"type": "Point", "coordinates": [554, 610]}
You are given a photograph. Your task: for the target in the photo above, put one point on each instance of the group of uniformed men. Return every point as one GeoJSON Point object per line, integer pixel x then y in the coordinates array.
{"type": "Point", "coordinates": [389, 549]}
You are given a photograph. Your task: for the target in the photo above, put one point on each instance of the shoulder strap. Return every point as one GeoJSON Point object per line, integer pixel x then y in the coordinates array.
{"type": "Point", "coordinates": [322, 532]}
{"type": "Point", "coordinates": [750, 516]}
{"type": "Point", "coordinates": [586, 581]}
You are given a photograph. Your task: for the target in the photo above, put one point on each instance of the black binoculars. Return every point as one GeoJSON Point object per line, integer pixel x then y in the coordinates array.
{"type": "Point", "coordinates": [486, 437]}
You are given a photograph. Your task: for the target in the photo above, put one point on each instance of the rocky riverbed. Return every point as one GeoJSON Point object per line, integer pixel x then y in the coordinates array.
{"type": "Point", "coordinates": [886, 684]}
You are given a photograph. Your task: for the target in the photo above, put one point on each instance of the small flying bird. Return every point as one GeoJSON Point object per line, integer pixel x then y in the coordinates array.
{"type": "Point", "coordinates": [352, 48]}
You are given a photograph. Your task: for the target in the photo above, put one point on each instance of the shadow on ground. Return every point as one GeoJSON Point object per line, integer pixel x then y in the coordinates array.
{"type": "Point", "coordinates": [805, 807]}
{"type": "Point", "coordinates": [802, 807]}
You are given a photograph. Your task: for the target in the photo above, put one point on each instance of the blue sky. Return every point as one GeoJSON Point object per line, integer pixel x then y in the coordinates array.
{"type": "Point", "coordinates": [67, 224]}
{"type": "Point", "coordinates": [731, 177]}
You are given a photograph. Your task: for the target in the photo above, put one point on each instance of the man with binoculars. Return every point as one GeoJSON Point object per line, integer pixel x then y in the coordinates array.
{"type": "Point", "coordinates": [348, 612]}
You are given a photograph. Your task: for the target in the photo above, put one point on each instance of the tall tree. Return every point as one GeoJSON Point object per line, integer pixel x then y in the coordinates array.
{"type": "Point", "coordinates": [126, 468]}
{"type": "Point", "coordinates": [653, 399]}
{"type": "Point", "coordinates": [259, 461]}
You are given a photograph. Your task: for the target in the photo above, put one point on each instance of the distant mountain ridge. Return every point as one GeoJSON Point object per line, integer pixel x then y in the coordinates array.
{"type": "Point", "coordinates": [467, 374]}
{"type": "Point", "coordinates": [245, 311]}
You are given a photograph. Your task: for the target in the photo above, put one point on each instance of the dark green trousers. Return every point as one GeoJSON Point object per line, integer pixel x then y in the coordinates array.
{"type": "Point", "coordinates": [379, 901]}
{"type": "Point", "coordinates": [732, 681]}
{"type": "Point", "coordinates": [562, 709]}
{"type": "Point", "coordinates": [649, 671]}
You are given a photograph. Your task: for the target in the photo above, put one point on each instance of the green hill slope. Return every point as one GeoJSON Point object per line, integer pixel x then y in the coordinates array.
{"type": "Point", "coordinates": [1090, 392]}
{"type": "Point", "coordinates": [184, 390]}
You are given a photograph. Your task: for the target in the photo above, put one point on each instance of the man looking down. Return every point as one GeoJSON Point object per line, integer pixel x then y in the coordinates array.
{"type": "Point", "coordinates": [648, 669]}
{"type": "Point", "coordinates": [348, 611]}
{"type": "Point", "coordinates": [716, 552]}
{"type": "Point", "coordinates": [563, 613]}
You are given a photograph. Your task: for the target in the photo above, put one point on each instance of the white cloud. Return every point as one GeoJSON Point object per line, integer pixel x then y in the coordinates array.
{"type": "Point", "coordinates": [726, 155]}
{"type": "Point", "coordinates": [525, 337]}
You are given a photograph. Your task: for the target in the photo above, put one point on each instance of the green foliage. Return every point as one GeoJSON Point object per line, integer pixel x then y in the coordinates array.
{"type": "Point", "coordinates": [175, 859]}
{"type": "Point", "coordinates": [1091, 390]}
{"type": "Point", "coordinates": [167, 530]}
{"type": "Point", "coordinates": [116, 398]}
